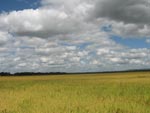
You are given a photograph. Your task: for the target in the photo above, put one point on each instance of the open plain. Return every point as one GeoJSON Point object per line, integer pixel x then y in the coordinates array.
{"type": "Point", "coordinates": [86, 93]}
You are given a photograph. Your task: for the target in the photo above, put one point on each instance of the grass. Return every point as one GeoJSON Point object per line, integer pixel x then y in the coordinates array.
{"type": "Point", "coordinates": [91, 93]}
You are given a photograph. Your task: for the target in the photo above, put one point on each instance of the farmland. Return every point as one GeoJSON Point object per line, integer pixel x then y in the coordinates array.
{"type": "Point", "coordinates": [86, 93]}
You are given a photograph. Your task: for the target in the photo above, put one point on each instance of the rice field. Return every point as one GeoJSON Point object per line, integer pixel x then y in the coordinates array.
{"type": "Point", "coordinates": [86, 93]}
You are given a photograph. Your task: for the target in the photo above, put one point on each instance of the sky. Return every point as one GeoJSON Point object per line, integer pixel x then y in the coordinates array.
{"type": "Point", "coordinates": [74, 35]}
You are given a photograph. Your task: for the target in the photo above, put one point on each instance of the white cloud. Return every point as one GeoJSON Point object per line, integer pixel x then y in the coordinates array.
{"type": "Point", "coordinates": [4, 37]}
{"type": "Point", "coordinates": [148, 41]}
{"type": "Point", "coordinates": [64, 35]}
{"type": "Point", "coordinates": [45, 23]}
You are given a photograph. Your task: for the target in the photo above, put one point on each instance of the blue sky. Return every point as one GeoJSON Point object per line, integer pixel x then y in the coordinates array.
{"type": "Point", "coordinates": [132, 42]}
{"type": "Point", "coordinates": [136, 42]}
{"type": "Point", "coordinates": [74, 35]}
{"type": "Point", "coordinates": [9, 5]}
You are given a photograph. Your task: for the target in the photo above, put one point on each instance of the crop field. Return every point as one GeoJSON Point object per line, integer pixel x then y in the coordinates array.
{"type": "Point", "coordinates": [86, 93]}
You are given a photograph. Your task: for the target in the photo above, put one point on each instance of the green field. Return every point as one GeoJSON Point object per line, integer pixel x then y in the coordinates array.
{"type": "Point", "coordinates": [89, 93]}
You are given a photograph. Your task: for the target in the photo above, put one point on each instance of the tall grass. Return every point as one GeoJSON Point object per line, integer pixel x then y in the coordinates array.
{"type": "Point", "coordinates": [93, 93]}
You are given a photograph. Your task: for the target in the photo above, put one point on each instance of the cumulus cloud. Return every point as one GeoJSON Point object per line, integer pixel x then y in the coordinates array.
{"type": "Point", "coordinates": [127, 11]}
{"type": "Point", "coordinates": [4, 37]}
{"type": "Point", "coordinates": [148, 41]}
{"type": "Point", "coordinates": [46, 23]}
{"type": "Point", "coordinates": [64, 35]}
{"type": "Point", "coordinates": [129, 18]}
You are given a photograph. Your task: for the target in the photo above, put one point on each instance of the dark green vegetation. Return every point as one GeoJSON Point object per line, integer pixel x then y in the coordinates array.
{"type": "Point", "coordinates": [89, 93]}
